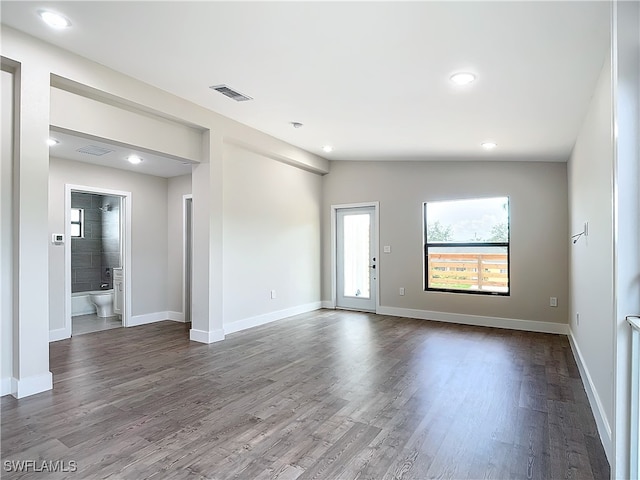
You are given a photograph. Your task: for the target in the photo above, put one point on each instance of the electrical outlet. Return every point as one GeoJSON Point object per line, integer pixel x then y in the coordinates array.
{"type": "Point", "coordinates": [273, 294]}
{"type": "Point", "coordinates": [553, 301]}
{"type": "Point", "coordinates": [401, 291]}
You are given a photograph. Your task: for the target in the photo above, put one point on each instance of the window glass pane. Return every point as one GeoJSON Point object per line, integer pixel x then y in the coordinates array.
{"type": "Point", "coordinates": [484, 269]}
{"type": "Point", "coordinates": [75, 214]}
{"type": "Point", "coordinates": [75, 230]}
{"type": "Point", "coordinates": [473, 220]}
{"type": "Point", "coordinates": [356, 256]}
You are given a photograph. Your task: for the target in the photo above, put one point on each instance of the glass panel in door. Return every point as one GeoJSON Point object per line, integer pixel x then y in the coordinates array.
{"type": "Point", "coordinates": [355, 261]}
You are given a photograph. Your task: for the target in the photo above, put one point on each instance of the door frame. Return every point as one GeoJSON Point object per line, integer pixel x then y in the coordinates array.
{"type": "Point", "coordinates": [334, 247]}
{"type": "Point", "coordinates": [125, 247]}
{"type": "Point", "coordinates": [187, 253]}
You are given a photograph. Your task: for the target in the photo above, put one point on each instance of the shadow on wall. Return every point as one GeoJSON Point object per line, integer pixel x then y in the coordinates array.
{"type": "Point", "coordinates": [95, 241]}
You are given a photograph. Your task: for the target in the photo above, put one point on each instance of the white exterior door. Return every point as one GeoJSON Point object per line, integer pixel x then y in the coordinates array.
{"type": "Point", "coordinates": [356, 264]}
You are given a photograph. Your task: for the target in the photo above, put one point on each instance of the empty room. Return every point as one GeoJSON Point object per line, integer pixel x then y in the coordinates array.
{"type": "Point", "coordinates": [329, 240]}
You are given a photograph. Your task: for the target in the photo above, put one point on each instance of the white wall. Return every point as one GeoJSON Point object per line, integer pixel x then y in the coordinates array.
{"type": "Point", "coordinates": [591, 264]}
{"type": "Point", "coordinates": [40, 65]}
{"type": "Point", "coordinates": [70, 111]}
{"type": "Point", "coordinates": [271, 238]}
{"type": "Point", "coordinates": [626, 94]}
{"type": "Point", "coordinates": [539, 235]}
{"type": "Point", "coordinates": [177, 188]}
{"type": "Point", "coordinates": [31, 373]}
{"type": "Point", "coordinates": [6, 233]}
{"type": "Point", "coordinates": [149, 228]}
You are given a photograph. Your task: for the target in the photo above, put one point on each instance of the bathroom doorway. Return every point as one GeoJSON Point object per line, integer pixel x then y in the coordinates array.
{"type": "Point", "coordinates": [96, 259]}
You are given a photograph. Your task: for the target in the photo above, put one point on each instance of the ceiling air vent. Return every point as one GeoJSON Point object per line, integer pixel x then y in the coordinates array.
{"type": "Point", "coordinates": [232, 94]}
{"type": "Point", "coordinates": [94, 150]}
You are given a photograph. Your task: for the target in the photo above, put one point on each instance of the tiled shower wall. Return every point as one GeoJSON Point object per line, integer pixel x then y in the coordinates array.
{"type": "Point", "coordinates": [94, 256]}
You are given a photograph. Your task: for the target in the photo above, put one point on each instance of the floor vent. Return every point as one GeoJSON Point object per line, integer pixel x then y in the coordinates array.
{"type": "Point", "coordinates": [232, 94]}
{"type": "Point", "coordinates": [94, 150]}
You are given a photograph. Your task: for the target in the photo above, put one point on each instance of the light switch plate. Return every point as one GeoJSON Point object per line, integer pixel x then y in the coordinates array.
{"type": "Point", "coordinates": [386, 249]}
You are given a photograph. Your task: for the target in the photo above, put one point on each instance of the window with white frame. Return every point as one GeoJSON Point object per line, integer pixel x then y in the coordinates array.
{"type": "Point", "coordinates": [466, 246]}
{"type": "Point", "coordinates": [77, 222]}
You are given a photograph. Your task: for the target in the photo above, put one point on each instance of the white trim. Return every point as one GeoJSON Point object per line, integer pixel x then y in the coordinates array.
{"type": "Point", "coordinates": [206, 337]}
{"type": "Point", "coordinates": [68, 309]}
{"type": "Point", "coordinates": [146, 318]}
{"type": "Point", "coordinates": [5, 386]}
{"type": "Point", "coordinates": [477, 320]}
{"type": "Point", "coordinates": [175, 316]}
{"type": "Point", "coordinates": [58, 334]}
{"type": "Point", "coordinates": [328, 304]}
{"type": "Point", "coordinates": [31, 385]}
{"type": "Point", "coordinates": [185, 237]}
{"type": "Point", "coordinates": [125, 232]}
{"type": "Point", "coordinates": [265, 318]}
{"type": "Point", "coordinates": [604, 429]}
{"type": "Point", "coordinates": [376, 234]}
{"type": "Point", "coordinates": [634, 446]}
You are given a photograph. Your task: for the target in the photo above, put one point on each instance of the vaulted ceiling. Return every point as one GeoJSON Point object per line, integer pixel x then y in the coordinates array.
{"type": "Point", "coordinates": [372, 79]}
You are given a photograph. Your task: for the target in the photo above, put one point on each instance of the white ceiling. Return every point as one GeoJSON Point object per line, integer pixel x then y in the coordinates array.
{"type": "Point", "coordinates": [152, 163]}
{"type": "Point", "coordinates": [369, 78]}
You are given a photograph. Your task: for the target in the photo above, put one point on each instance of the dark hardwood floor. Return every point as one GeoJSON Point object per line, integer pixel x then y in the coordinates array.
{"type": "Point", "coordinates": [325, 395]}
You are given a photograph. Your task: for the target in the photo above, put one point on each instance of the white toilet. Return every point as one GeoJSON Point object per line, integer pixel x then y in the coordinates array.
{"type": "Point", "coordinates": [103, 302]}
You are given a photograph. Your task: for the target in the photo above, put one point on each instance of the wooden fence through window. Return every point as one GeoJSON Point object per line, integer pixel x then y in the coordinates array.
{"type": "Point", "coordinates": [468, 271]}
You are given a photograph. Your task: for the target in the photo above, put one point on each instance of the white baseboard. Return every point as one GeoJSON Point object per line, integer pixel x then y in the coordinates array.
{"type": "Point", "coordinates": [58, 334]}
{"type": "Point", "coordinates": [146, 318]}
{"type": "Point", "coordinates": [477, 320]}
{"type": "Point", "coordinates": [604, 429]}
{"type": "Point", "coordinates": [258, 320]}
{"type": "Point", "coordinates": [206, 337]}
{"type": "Point", "coordinates": [175, 316]}
{"type": "Point", "coordinates": [328, 304]}
{"type": "Point", "coordinates": [31, 385]}
{"type": "Point", "coordinates": [5, 386]}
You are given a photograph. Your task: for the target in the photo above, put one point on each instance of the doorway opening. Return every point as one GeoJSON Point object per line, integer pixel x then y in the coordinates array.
{"type": "Point", "coordinates": [355, 257]}
{"type": "Point", "coordinates": [97, 259]}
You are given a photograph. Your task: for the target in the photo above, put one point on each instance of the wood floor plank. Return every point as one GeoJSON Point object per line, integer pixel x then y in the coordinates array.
{"type": "Point", "coordinates": [329, 395]}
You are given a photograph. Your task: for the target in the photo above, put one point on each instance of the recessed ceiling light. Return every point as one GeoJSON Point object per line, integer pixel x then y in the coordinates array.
{"type": "Point", "coordinates": [297, 125]}
{"type": "Point", "coordinates": [488, 145]}
{"type": "Point", "coordinates": [327, 148]}
{"type": "Point", "coordinates": [53, 19]}
{"type": "Point", "coordinates": [462, 78]}
{"type": "Point", "coordinates": [134, 159]}
{"type": "Point", "coordinates": [52, 141]}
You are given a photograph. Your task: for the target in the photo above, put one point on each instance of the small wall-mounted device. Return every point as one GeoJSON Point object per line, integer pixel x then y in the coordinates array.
{"type": "Point", "coordinates": [584, 232]}
{"type": "Point", "coordinates": [57, 238]}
